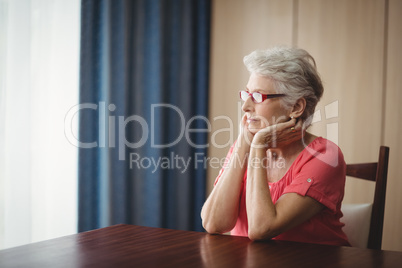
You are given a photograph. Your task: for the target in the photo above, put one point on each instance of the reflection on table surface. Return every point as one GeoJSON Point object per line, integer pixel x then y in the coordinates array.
{"type": "Point", "coordinates": [137, 246]}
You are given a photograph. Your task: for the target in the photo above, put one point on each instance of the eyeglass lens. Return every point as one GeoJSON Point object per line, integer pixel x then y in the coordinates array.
{"type": "Point", "coordinates": [256, 96]}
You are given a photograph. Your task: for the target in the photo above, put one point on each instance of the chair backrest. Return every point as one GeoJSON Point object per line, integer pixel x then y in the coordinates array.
{"type": "Point", "coordinates": [356, 218]}
{"type": "Point", "coordinates": [376, 172]}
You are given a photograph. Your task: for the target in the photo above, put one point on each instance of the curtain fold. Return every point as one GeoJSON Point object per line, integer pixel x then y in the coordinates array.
{"type": "Point", "coordinates": [144, 102]}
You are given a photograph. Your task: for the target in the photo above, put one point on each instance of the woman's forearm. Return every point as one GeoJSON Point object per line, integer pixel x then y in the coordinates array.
{"type": "Point", "coordinates": [261, 211]}
{"type": "Point", "coordinates": [220, 211]}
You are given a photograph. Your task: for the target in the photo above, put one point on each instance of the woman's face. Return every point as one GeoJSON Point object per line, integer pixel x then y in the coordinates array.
{"type": "Point", "coordinates": [269, 112]}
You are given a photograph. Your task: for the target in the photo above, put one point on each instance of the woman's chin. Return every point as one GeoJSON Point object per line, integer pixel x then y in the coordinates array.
{"type": "Point", "coordinates": [255, 127]}
{"type": "Point", "coordinates": [253, 130]}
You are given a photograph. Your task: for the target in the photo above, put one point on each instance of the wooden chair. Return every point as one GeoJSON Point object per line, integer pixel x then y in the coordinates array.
{"type": "Point", "coordinates": [376, 172]}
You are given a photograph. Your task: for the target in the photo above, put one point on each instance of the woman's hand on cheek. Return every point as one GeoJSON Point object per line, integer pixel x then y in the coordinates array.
{"type": "Point", "coordinates": [278, 135]}
{"type": "Point", "coordinates": [245, 137]}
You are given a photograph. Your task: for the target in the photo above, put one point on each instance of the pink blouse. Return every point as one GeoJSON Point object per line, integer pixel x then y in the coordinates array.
{"type": "Point", "coordinates": [317, 172]}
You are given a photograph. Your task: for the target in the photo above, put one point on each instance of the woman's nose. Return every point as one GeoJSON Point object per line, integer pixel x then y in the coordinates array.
{"type": "Point", "coordinates": [248, 105]}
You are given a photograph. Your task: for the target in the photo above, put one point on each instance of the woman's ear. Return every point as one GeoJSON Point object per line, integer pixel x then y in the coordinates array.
{"type": "Point", "coordinates": [298, 108]}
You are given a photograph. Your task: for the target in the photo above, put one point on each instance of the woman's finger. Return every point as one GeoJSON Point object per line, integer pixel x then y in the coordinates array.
{"type": "Point", "coordinates": [299, 125]}
{"type": "Point", "coordinates": [286, 125]}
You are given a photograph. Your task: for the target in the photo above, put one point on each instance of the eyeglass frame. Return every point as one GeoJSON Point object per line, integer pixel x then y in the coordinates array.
{"type": "Point", "coordinates": [264, 96]}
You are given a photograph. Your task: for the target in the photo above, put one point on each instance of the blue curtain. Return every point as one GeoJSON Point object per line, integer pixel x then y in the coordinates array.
{"type": "Point", "coordinates": [142, 121]}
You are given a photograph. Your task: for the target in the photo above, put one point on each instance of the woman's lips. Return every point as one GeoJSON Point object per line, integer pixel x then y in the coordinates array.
{"type": "Point", "coordinates": [252, 120]}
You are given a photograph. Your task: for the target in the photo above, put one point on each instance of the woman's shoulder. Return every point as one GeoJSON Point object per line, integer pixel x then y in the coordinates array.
{"type": "Point", "coordinates": [322, 144]}
{"type": "Point", "coordinates": [324, 151]}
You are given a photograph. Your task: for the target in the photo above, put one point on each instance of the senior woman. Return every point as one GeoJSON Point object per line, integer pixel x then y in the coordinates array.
{"type": "Point", "coordinates": [280, 182]}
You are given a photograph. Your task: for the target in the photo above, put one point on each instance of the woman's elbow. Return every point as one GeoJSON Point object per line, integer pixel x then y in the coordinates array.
{"type": "Point", "coordinates": [216, 226]}
{"type": "Point", "coordinates": [256, 234]}
{"type": "Point", "coordinates": [207, 223]}
{"type": "Point", "coordinates": [210, 228]}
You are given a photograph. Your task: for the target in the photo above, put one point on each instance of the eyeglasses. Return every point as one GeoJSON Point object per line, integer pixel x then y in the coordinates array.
{"type": "Point", "coordinates": [257, 97]}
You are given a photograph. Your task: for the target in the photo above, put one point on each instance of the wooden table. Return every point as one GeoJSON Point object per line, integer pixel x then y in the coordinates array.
{"type": "Point", "coordinates": [135, 246]}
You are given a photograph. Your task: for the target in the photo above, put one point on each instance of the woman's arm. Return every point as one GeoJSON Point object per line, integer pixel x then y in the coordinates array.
{"type": "Point", "coordinates": [265, 219]}
{"type": "Point", "coordinates": [220, 211]}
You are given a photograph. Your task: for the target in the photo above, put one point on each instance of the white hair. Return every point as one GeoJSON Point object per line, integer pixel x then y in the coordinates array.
{"type": "Point", "coordinates": [293, 72]}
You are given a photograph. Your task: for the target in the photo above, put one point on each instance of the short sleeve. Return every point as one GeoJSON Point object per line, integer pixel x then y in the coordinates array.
{"type": "Point", "coordinates": [320, 174]}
